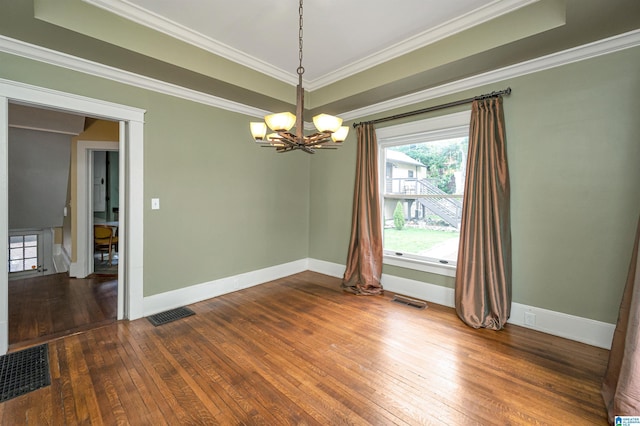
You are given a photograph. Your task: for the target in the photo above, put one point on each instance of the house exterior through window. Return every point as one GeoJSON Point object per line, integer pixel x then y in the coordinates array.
{"type": "Point", "coordinates": [422, 172]}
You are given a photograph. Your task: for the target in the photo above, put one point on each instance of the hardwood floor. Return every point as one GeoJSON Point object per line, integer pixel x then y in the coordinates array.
{"type": "Point", "coordinates": [55, 305]}
{"type": "Point", "coordinates": [300, 351]}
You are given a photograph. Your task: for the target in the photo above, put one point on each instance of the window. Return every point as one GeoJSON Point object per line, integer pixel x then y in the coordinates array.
{"type": "Point", "coordinates": [422, 172]}
{"type": "Point", "coordinates": [23, 252]}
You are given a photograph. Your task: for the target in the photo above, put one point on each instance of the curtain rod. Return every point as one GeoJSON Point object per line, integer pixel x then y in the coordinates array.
{"type": "Point", "coordinates": [506, 91]}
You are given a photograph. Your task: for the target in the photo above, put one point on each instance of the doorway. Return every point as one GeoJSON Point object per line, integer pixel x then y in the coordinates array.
{"type": "Point", "coordinates": [91, 205]}
{"type": "Point", "coordinates": [105, 212]}
{"type": "Point", "coordinates": [130, 284]}
{"type": "Point", "coordinates": [45, 302]}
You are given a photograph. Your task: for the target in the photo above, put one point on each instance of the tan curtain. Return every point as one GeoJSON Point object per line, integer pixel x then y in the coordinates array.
{"type": "Point", "coordinates": [483, 277]}
{"type": "Point", "coordinates": [364, 260]}
{"type": "Point", "coordinates": [621, 385]}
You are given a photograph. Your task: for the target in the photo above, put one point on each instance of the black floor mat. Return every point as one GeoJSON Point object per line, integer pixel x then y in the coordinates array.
{"type": "Point", "coordinates": [168, 316]}
{"type": "Point", "coordinates": [24, 371]}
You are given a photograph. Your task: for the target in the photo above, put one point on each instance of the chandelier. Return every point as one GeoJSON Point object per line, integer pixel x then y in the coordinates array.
{"type": "Point", "coordinates": [330, 131]}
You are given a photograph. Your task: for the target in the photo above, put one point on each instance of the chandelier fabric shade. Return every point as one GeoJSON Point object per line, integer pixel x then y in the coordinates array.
{"type": "Point", "coordinates": [330, 131]}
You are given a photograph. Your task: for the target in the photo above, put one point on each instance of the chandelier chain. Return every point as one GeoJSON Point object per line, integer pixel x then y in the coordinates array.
{"type": "Point", "coordinates": [300, 67]}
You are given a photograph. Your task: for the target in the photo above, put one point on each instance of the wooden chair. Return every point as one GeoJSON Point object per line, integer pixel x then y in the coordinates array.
{"type": "Point", "coordinates": [104, 241]}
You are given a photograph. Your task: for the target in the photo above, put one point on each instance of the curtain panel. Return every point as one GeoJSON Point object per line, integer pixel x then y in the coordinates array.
{"type": "Point", "coordinates": [621, 385]}
{"type": "Point", "coordinates": [364, 259]}
{"type": "Point", "coordinates": [483, 277]}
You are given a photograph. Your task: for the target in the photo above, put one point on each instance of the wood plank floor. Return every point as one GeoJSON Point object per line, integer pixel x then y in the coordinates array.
{"type": "Point", "coordinates": [300, 351]}
{"type": "Point", "coordinates": [43, 308]}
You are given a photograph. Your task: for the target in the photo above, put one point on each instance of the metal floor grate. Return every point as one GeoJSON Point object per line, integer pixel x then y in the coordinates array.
{"type": "Point", "coordinates": [169, 316]}
{"type": "Point", "coordinates": [414, 303]}
{"type": "Point", "coordinates": [24, 371]}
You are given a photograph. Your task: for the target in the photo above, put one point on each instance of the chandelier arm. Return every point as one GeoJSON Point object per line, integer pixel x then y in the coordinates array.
{"type": "Point", "coordinates": [285, 139]}
{"type": "Point", "coordinates": [317, 138]}
{"type": "Point", "coordinates": [326, 144]}
{"type": "Point", "coordinates": [281, 149]}
{"type": "Point", "coordinates": [288, 137]}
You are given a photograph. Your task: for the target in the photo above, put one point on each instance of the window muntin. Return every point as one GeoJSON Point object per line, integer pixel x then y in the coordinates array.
{"type": "Point", "coordinates": [422, 167]}
{"type": "Point", "coordinates": [23, 252]}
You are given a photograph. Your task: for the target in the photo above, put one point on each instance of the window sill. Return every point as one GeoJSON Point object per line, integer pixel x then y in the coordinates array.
{"type": "Point", "coordinates": [420, 265]}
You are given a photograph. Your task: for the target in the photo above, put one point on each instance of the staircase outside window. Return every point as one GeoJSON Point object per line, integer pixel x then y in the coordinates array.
{"type": "Point", "coordinates": [422, 184]}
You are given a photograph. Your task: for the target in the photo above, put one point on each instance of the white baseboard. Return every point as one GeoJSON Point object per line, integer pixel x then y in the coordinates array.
{"type": "Point", "coordinates": [75, 270]}
{"type": "Point", "coordinates": [199, 292]}
{"type": "Point", "coordinates": [585, 330]}
{"type": "Point", "coordinates": [61, 259]}
{"type": "Point", "coordinates": [4, 337]}
{"type": "Point", "coordinates": [419, 290]}
{"type": "Point", "coordinates": [327, 268]}
{"type": "Point", "coordinates": [412, 288]}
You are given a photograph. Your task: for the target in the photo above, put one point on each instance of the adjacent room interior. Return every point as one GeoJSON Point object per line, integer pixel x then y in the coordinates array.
{"type": "Point", "coordinates": [45, 299]}
{"type": "Point", "coordinates": [149, 174]}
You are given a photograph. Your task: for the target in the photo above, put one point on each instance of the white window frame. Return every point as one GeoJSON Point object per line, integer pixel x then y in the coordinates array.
{"type": "Point", "coordinates": [38, 233]}
{"type": "Point", "coordinates": [431, 129]}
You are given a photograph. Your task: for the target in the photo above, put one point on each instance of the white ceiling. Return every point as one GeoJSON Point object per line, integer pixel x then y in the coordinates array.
{"type": "Point", "coordinates": [341, 38]}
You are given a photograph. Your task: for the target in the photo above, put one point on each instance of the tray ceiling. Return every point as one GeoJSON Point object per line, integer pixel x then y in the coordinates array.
{"type": "Point", "coordinates": [340, 38]}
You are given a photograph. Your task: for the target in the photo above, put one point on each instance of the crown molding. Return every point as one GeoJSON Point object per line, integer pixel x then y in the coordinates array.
{"type": "Point", "coordinates": [31, 95]}
{"type": "Point", "coordinates": [454, 26]}
{"type": "Point", "coordinates": [52, 57]}
{"type": "Point", "coordinates": [173, 29]}
{"type": "Point", "coordinates": [601, 47]}
{"type": "Point", "coordinates": [143, 17]}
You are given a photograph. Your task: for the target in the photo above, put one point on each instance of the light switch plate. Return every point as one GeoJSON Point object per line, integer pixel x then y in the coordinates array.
{"type": "Point", "coordinates": [155, 204]}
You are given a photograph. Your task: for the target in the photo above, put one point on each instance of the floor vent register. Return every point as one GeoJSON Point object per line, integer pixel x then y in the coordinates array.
{"type": "Point", "coordinates": [170, 316]}
{"type": "Point", "coordinates": [24, 371]}
{"type": "Point", "coordinates": [414, 303]}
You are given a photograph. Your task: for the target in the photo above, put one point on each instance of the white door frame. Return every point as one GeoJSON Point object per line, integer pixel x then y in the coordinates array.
{"type": "Point", "coordinates": [84, 216]}
{"type": "Point", "coordinates": [131, 178]}
{"type": "Point", "coordinates": [83, 265]}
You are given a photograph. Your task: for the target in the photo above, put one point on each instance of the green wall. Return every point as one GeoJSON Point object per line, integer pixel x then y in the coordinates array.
{"type": "Point", "coordinates": [227, 206]}
{"type": "Point", "coordinates": [573, 145]}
